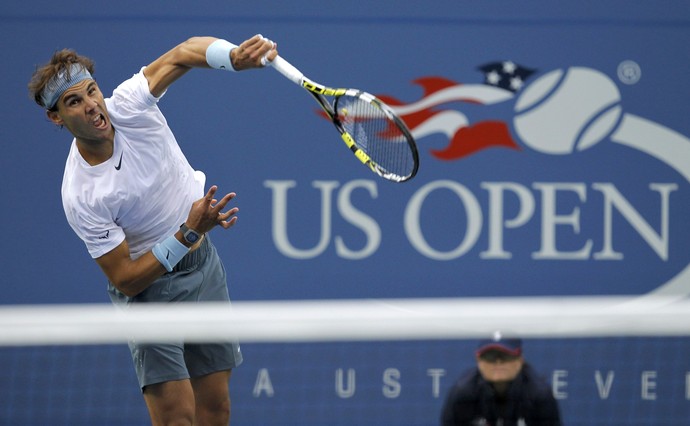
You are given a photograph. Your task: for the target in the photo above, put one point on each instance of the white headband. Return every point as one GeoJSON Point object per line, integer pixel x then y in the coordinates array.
{"type": "Point", "coordinates": [61, 82]}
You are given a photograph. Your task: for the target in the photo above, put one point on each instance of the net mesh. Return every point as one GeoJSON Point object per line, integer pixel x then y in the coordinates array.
{"type": "Point", "coordinates": [315, 363]}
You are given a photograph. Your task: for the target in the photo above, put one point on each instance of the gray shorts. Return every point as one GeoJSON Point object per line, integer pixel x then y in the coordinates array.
{"type": "Point", "coordinates": [200, 276]}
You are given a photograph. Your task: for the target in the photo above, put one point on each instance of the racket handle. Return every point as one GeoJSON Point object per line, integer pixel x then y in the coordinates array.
{"type": "Point", "coordinates": [289, 71]}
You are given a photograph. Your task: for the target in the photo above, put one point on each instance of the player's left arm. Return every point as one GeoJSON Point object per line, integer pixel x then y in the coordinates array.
{"type": "Point", "coordinates": [191, 53]}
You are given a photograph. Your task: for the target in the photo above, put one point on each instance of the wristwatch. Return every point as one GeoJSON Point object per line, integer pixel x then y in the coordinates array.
{"type": "Point", "coordinates": [189, 235]}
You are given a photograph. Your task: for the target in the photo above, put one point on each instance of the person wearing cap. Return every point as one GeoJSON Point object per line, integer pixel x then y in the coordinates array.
{"type": "Point", "coordinates": [502, 390]}
{"type": "Point", "coordinates": [144, 213]}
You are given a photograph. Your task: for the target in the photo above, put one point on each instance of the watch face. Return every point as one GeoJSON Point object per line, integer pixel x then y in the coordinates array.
{"type": "Point", "coordinates": [191, 236]}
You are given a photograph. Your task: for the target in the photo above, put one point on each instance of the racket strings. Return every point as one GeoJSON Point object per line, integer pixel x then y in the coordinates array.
{"type": "Point", "coordinates": [377, 134]}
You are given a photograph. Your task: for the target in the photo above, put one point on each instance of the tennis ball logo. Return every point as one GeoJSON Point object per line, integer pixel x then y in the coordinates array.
{"type": "Point", "coordinates": [562, 112]}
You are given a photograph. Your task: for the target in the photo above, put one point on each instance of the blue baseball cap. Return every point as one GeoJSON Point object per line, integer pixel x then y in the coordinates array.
{"type": "Point", "coordinates": [500, 343]}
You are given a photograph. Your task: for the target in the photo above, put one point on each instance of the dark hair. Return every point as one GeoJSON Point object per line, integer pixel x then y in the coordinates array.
{"type": "Point", "coordinates": [60, 61]}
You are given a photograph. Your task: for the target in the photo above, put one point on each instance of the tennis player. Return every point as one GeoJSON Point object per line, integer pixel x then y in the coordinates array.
{"type": "Point", "coordinates": [143, 212]}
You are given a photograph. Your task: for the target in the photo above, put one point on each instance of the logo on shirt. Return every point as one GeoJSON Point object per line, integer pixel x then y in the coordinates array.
{"type": "Point", "coordinates": [105, 237]}
{"type": "Point", "coordinates": [119, 164]}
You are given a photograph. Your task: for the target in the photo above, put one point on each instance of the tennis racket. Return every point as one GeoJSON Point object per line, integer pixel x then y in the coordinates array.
{"type": "Point", "coordinates": [373, 132]}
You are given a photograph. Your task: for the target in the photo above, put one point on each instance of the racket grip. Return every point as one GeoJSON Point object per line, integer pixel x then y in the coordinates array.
{"type": "Point", "coordinates": [288, 70]}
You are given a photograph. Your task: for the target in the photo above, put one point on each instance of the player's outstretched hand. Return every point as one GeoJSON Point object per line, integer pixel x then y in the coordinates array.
{"type": "Point", "coordinates": [207, 212]}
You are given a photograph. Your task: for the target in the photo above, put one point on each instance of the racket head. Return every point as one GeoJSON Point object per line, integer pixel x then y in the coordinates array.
{"type": "Point", "coordinates": [376, 131]}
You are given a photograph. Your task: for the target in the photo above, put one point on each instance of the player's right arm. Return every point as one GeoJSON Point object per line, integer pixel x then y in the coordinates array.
{"type": "Point", "coordinates": [132, 276]}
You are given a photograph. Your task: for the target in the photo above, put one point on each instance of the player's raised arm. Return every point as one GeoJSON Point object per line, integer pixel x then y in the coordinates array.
{"type": "Point", "coordinates": [205, 52]}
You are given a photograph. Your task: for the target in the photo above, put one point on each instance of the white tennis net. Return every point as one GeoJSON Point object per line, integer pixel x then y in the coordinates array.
{"type": "Point", "coordinates": [610, 360]}
{"type": "Point", "coordinates": [346, 320]}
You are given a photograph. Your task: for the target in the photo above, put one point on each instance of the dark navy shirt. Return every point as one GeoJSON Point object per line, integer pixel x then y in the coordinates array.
{"type": "Point", "coordinates": [529, 401]}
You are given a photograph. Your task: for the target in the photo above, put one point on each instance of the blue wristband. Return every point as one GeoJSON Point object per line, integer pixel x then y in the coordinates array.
{"type": "Point", "coordinates": [218, 55]}
{"type": "Point", "coordinates": [169, 252]}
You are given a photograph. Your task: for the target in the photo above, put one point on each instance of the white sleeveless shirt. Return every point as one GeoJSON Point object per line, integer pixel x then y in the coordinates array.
{"type": "Point", "coordinates": [144, 192]}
